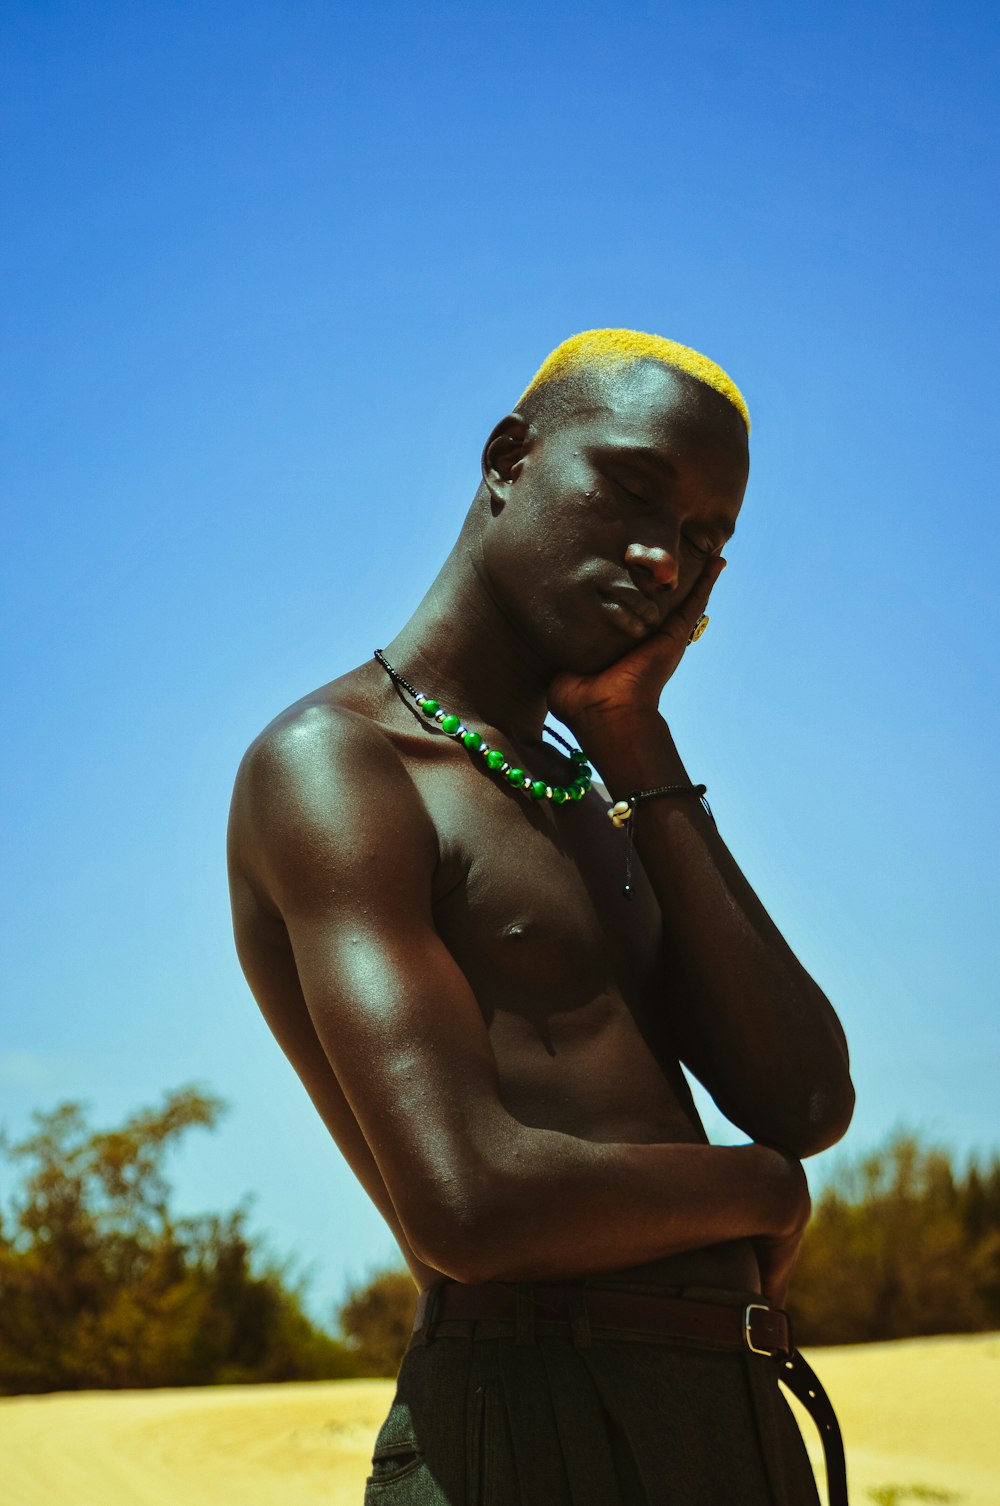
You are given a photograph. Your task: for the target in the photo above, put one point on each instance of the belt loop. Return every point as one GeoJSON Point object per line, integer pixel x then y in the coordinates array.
{"type": "Point", "coordinates": [576, 1301]}
{"type": "Point", "coordinates": [524, 1323]}
{"type": "Point", "coordinates": [431, 1311]}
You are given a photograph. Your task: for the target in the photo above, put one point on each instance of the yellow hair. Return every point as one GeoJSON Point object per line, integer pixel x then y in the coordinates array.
{"type": "Point", "coordinates": [603, 348]}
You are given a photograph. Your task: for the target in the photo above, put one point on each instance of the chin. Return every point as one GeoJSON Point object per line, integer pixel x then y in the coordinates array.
{"type": "Point", "coordinates": [575, 649]}
{"type": "Point", "coordinates": [589, 659]}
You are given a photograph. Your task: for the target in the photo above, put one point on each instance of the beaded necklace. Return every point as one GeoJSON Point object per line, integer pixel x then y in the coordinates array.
{"type": "Point", "coordinates": [517, 778]}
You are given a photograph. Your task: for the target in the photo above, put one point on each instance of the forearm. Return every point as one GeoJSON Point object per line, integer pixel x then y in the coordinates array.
{"type": "Point", "coordinates": [745, 1014]}
{"type": "Point", "coordinates": [555, 1206]}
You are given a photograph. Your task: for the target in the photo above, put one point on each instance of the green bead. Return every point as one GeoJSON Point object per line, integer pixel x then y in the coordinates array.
{"type": "Point", "coordinates": [516, 777]}
{"type": "Point", "coordinates": [539, 789]}
{"type": "Point", "coordinates": [583, 771]}
{"type": "Point", "coordinates": [450, 723]}
{"type": "Point", "coordinates": [429, 707]}
{"type": "Point", "coordinates": [494, 759]}
{"type": "Point", "coordinates": [578, 756]}
{"type": "Point", "coordinates": [472, 740]}
{"type": "Point", "coordinates": [559, 794]}
{"type": "Point", "coordinates": [575, 792]}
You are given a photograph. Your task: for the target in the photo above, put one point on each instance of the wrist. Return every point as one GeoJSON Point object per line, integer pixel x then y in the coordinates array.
{"type": "Point", "coordinates": [615, 724]}
{"type": "Point", "coordinates": [785, 1202]}
{"type": "Point", "coordinates": [632, 751]}
{"type": "Point", "coordinates": [628, 745]}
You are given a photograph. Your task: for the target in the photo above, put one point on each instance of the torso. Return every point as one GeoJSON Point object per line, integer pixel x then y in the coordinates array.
{"type": "Point", "coordinates": [527, 898]}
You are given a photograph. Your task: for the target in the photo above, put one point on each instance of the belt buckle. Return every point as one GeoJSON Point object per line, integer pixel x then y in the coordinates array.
{"type": "Point", "coordinates": [748, 1336]}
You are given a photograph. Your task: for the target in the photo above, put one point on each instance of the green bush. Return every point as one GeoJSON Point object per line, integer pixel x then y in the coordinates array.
{"type": "Point", "coordinates": [100, 1286]}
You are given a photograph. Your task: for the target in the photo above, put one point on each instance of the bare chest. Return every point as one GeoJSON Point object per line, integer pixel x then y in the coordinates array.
{"type": "Point", "coordinates": [528, 899]}
{"type": "Point", "coordinates": [532, 888]}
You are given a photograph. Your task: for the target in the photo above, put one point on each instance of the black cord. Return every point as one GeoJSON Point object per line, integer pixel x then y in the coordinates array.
{"type": "Point", "coordinates": [394, 673]}
{"type": "Point", "coordinates": [380, 656]}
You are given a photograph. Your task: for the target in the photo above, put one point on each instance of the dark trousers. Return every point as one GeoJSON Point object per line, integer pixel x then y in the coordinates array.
{"type": "Point", "coordinates": [489, 1414]}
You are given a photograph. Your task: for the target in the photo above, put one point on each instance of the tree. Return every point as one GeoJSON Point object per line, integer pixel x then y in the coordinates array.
{"type": "Point", "coordinates": [376, 1319]}
{"type": "Point", "coordinates": [102, 1286]}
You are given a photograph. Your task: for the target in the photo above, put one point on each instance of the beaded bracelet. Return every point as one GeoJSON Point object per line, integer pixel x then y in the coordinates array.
{"type": "Point", "coordinates": [623, 813]}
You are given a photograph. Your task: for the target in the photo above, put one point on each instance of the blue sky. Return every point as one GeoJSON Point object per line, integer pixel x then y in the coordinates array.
{"type": "Point", "coordinates": [272, 272]}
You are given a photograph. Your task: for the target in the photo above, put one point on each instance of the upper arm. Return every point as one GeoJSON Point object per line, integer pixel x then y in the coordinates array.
{"type": "Point", "coordinates": [340, 841]}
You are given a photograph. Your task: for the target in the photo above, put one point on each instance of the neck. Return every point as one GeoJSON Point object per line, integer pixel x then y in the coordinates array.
{"type": "Point", "coordinates": [460, 647]}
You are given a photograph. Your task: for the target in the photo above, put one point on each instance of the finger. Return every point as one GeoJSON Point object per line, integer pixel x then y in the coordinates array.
{"type": "Point", "coordinates": [775, 1288]}
{"type": "Point", "coordinates": [681, 621]}
{"type": "Point", "coordinates": [698, 600]}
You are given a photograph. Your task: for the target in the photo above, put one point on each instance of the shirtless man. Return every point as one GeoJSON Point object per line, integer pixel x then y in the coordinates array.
{"type": "Point", "coordinates": [492, 1031]}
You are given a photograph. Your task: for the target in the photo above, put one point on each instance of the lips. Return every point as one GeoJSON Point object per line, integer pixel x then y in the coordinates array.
{"type": "Point", "coordinates": [635, 608]}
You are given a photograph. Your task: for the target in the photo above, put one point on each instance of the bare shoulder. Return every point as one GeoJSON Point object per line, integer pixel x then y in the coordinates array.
{"type": "Point", "coordinates": [308, 751]}
{"type": "Point", "coordinates": [322, 794]}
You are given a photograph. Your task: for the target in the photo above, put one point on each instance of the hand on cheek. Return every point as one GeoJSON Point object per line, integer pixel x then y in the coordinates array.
{"type": "Point", "coordinates": [635, 681]}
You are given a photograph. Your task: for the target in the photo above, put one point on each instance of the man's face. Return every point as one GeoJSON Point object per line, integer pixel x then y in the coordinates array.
{"type": "Point", "coordinates": [608, 517]}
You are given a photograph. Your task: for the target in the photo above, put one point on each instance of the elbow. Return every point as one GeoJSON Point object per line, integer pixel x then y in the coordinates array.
{"type": "Point", "coordinates": [451, 1249]}
{"type": "Point", "coordinates": [831, 1109]}
{"type": "Point", "coordinates": [485, 1249]}
{"type": "Point", "coordinates": [800, 1119]}
{"type": "Point", "coordinates": [458, 1231]}
{"type": "Point", "coordinates": [825, 1117]}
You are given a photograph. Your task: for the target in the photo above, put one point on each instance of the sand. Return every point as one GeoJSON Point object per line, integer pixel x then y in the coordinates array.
{"type": "Point", "coordinates": [920, 1413]}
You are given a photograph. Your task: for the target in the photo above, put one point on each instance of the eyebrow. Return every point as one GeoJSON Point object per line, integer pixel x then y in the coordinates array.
{"type": "Point", "coordinates": [661, 463]}
{"type": "Point", "coordinates": [650, 456]}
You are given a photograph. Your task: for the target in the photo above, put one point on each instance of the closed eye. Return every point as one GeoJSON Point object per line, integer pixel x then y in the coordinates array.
{"type": "Point", "coordinates": [702, 551]}
{"type": "Point", "coordinates": [635, 496]}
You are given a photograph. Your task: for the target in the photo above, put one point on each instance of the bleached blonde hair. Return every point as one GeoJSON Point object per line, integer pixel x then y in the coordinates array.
{"type": "Point", "coordinates": [597, 350]}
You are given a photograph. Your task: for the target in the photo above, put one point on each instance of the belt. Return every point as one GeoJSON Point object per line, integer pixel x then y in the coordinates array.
{"type": "Point", "coordinates": [574, 1310]}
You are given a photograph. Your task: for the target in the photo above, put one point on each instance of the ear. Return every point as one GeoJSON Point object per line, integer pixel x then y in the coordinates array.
{"type": "Point", "coordinates": [503, 455]}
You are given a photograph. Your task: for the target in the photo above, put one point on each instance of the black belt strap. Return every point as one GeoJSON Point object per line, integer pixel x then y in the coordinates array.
{"type": "Point", "coordinates": [805, 1385]}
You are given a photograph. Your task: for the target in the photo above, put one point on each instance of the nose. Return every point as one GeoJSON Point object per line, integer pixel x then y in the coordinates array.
{"type": "Point", "coordinates": [656, 561]}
